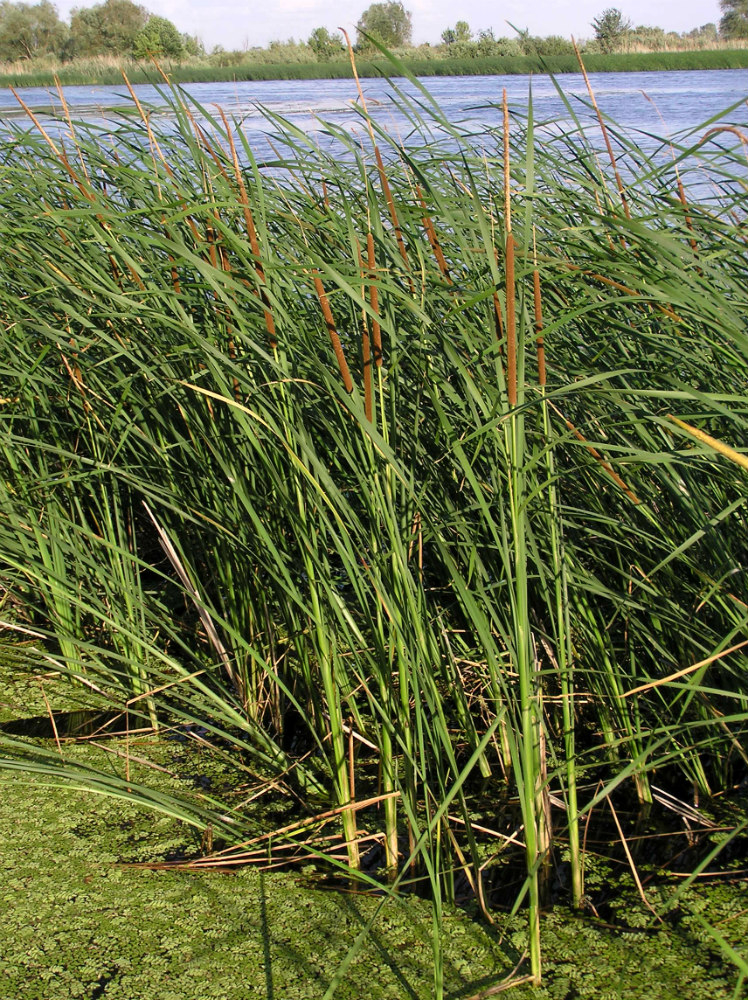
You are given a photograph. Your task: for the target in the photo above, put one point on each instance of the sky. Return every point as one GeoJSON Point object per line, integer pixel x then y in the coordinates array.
{"type": "Point", "coordinates": [236, 24]}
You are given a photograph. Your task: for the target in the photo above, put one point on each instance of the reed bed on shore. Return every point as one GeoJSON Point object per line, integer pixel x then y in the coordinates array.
{"type": "Point", "coordinates": [108, 71]}
{"type": "Point", "coordinates": [407, 478]}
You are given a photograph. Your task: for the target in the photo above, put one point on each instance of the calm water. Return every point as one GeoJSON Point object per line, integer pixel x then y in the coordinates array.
{"type": "Point", "coordinates": [683, 99]}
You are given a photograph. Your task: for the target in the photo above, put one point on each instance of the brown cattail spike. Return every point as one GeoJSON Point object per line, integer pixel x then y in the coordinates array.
{"type": "Point", "coordinates": [432, 237]}
{"type": "Point", "coordinates": [334, 338]}
{"type": "Point", "coordinates": [376, 330]}
{"type": "Point", "coordinates": [511, 326]}
{"type": "Point", "coordinates": [689, 221]}
{"type": "Point", "coordinates": [366, 344]}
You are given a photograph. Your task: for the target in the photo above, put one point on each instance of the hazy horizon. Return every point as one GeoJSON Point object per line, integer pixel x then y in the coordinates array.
{"type": "Point", "coordinates": [231, 24]}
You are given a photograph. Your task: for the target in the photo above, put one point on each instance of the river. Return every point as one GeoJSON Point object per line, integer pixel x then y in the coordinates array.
{"type": "Point", "coordinates": [648, 109]}
{"type": "Point", "coordinates": [652, 103]}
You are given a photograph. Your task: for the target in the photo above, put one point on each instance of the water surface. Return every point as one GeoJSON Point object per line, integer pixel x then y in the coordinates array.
{"type": "Point", "coordinates": [656, 102]}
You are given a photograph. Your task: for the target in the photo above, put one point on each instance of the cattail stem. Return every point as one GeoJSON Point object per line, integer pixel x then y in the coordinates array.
{"type": "Point", "coordinates": [539, 339]}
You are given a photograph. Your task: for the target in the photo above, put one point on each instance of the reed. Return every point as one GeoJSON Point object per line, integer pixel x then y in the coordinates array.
{"type": "Point", "coordinates": [415, 499]}
{"type": "Point", "coordinates": [108, 71]}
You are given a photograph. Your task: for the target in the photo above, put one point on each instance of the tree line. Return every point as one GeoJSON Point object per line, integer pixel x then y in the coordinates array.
{"type": "Point", "coordinates": [123, 28]}
{"type": "Point", "coordinates": [115, 28]}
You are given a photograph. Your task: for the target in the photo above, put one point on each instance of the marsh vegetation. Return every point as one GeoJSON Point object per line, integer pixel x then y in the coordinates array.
{"type": "Point", "coordinates": [404, 479]}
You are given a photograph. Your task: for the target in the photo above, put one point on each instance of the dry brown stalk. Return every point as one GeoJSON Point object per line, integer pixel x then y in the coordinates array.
{"type": "Point", "coordinates": [60, 154]}
{"type": "Point", "coordinates": [210, 237]}
{"type": "Point", "coordinates": [155, 147]}
{"type": "Point", "coordinates": [216, 249]}
{"type": "Point", "coordinates": [235, 854]}
{"type": "Point", "coordinates": [685, 671]}
{"type": "Point", "coordinates": [164, 77]}
{"type": "Point", "coordinates": [66, 110]}
{"type": "Point", "coordinates": [632, 866]}
{"type": "Point", "coordinates": [331, 329]}
{"type": "Point", "coordinates": [689, 221]}
{"type": "Point", "coordinates": [186, 581]}
{"type": "Point", "coordinates": [391, 206]}
{"type": "Point", "coordinates": [147, 122]}
{"type": "Point", "coordinates": [723, 128]}
{"type": "Point", "coordinates": [351, 761]}
{"type": "Point", "coordinates": [378, 157]}
{"type": "Point", "coordinates": [600, 212]}
{"type": "Point", "coordinates": [52, 721]}
{"type": "Point", "coordinates": [681, 190]}
{"type": "Point", "coordinates": [719, 446]}
{"type": "Point", "coordinates": [603, 129]}
{"type": "Point", "coordinates": [507, 175]}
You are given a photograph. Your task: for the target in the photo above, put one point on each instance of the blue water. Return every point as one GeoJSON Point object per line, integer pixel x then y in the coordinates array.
{"type": "Point", "coordinates": [649, 108]}
{"type": "Point", "coordinates": [678, 100]}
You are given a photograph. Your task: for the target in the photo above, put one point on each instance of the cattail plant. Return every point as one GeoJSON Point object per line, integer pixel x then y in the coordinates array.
{"type": "Point", "coordinates": [423, 499]}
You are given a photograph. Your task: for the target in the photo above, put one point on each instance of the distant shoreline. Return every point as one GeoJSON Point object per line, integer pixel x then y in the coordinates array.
{"type": "Point", "coordinates": [633, 62]}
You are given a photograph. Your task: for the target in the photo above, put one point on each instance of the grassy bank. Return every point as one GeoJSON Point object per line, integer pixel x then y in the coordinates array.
{"type": "Point", "coordinates": [105, 73]}
{"type": "Point", "coordinates": [407, 483]}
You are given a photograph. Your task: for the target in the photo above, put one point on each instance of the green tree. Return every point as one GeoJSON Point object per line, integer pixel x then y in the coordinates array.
{"type": "Point", "coordinates": [324, 45]}
{"type": "Point", "coordinates": [158, 38]}
{"type": "Point", "coordinates": [460, 33]}
{"type": "Point", "coordinates": [107, 28]}
{"type": "Point", "coordinates": [704, 33]}
{"type": "Point", "coordinates": [28, 30]}
{"type": "Point", "coordinates": [192, 45]}
{"type": "Point", "coordinates": [610, 27]}
{"type": "Point", "coordinates": [734, 22]}
{"type": "Point", "coordinates": [390, 23]}
{"type": "Point", "coordinates": [463, 32]}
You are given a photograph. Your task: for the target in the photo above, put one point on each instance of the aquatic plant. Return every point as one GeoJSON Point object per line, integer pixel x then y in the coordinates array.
{"type": "Point", "coordinates": [401, 470]}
